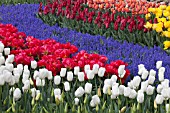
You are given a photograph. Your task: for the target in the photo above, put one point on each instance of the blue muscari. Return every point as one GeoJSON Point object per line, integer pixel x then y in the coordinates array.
{"type": "Point", "coordinates": [24, 18]}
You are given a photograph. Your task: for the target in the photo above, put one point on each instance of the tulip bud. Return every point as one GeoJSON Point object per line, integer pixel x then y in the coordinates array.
{"type": "Point", "coordinates": [165, 83]}
{"type": "Point", "coordinates": [67, 86]}
{"type": "Point", "coordinates": [57, 91]}
{"type": "Point", "coordinates": [34, 64]}
{"type": "Point", "coordinates": [158, 64]}
{"type": "Point", "coordinates": [86, 68]}
{"type": "Point", "coordinates": [73, 109]}
{"type": "Point", "coordinates": [150, 90]}
{"type": "Point", "coordinates": [155, 105]}
{"type": "Point", "coordinates": [58, 96]}
{"type": "Point", "coordinates": [13, 108]}
{"type": "Point", "coordinates": [99, 92]}
{"type": "Point", "coordinates": [17, 94]}
{"type": "Point", "coordinates": [76, 101]}
{"type": "Point", "coordinates": [79, 92]}
{"type": "Point", "coordinates": [33, 101]}
{"type": "Point", "coordinates": [101, 71]}
{"type": "Point", "coordinates": [123, 109]}
{"type": "Point", "coordinates": [152, 72]}
{"type": "Point", "coordinates": [140, 97]}
{"type": "Point", "coordinates": [69, 76]}
{"type": "Point", "coordinates": [57, 80]}
{"type": "Point", "coordinates": [167, 108]}
{"type": "Point", "coordinates": [90, 74]}
{"type": "Point", "coordinates": [81, 76]}
{"type": "Point", "coordinates": [50, 75]}
{"type": "Point", "coordinates": [109, 92]}
{"type": "Point", "coordinates": [159, 99]}
{"type": "Point", "coordinates": [38, 96]}
{"type": "Point", "coordinates": [63, 72]}
{"type": "Point", "coordinates": [6, 51]}
{"type": "Point", "coordinates": [95, 68]}
{"type": "Point", "coordinates": [57, 101]}
{"type": "Point", "coordinates": [151, 79]}
{"type": "Point", "coordinates": [104, 105]}
{"type": "Point", "coordinates": [66, 108]}
{"type": "Point", "coordinates": [76, 70]}
{"type": "Point", "coordinates": [145, 74]}
{"type": "Point", "coordinates": [31, 82]}
{"type": "Point", "coordinates": [88, 88]}
{"type": "Point", "coordinates": [85, 99]}
{"type": "Point", "coordinates": [79, 110]}
{"type": "Point", "coordinates": [2, 60]}
{"type": "Point", "coordinates": [1, 47]}
{"type": "Point", "coordinates": [97, 108]}
{"type": "Point", "coordinates": [10, 58]}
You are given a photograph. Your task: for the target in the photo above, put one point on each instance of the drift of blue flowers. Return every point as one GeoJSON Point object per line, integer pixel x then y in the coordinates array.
{"type": "Point", "coordinates": [24, 18]}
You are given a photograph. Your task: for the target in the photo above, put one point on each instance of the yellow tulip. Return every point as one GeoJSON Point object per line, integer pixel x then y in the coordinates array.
{"type": "Point", "coordinates": [154, 26]}
{"type": "Point", "coordinates": [147, 16]}
{"type": "Point", "coordinates": [151, 10]}
{"type": "Point", "coordinates": [166, 44]}
{"type": "Point", "coordinates": [168, 17]}
{"type": "Point", "coordinates": [166, 33]}
{"type": "Point", "coordinates": [167, 24]}
{"type": "Point", "coordinates": [166, 13]}
{"type": "Point", "coordinates": [148, 25]}
{"type": "Point", "coordinates": [160, 24]}
{"type": "Point", "coordinates": [168, 8]}
{"type": "Point", "coordinates": [158, 12]}
{"type": "Point", "coordinates": [159, 29]}
{"type": "Point", "coordinates": [163, 19]}
{"type": "Point", "coordinates": [168, 29]}
{"type": "Point", "coordinates": [163, 7]}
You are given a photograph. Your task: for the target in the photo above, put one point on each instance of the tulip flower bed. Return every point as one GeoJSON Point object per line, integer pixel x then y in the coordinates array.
{"type": "Point", "coordinates": [121, 26]}
{"type": "Point", "coordinates": [23, 16]}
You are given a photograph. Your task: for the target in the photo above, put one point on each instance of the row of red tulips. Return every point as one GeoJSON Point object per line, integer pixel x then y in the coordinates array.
{"type": "Point", "coordinates": [51, 54]}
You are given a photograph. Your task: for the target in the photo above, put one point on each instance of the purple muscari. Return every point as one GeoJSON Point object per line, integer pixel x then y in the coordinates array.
{"type": "Point", "coordinates": [24, 18]}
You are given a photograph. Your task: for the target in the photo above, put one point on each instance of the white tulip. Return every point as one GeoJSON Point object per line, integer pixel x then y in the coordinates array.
{"type": "Point", "coordinates": [136, 81]}
{"type": "Point", "coordinates": [113, 78]}
{"type": "Point", "coordinates": [121, 89]}
{"type": "Point", "coordinates": [86, 68]}
{"type": "Point", "coordinates": [11, 90]}
{"type": "Point", "coordinates": [33, 92]}
{"type": "Point", "coordinates": [12, 81]}
{"type": "Point", "coordinates": [50, 75]}
{"type": "Point", "coordinates": [81, 76]}
{"type": "Point", "coordinates": [151, 79]}
{"type": "Point", "coordinates": [121, 69]}
{"type": "Point", "coordinates": [67, 86]}
{"type": "Point", "coordinates": [70, 76]}
{"type": "Point", "coordinates": [141, 68]}
{"type": "Point", "coordinates": [90, 74]}
{"type": "Point", "coordinates": [17, 78]}
{"type": "Point", "coordinates": [161, 70]}
{"type": "Point", "coordinates": [95, 68]}
{"type": "Point", "coordinates": [20, 67]}
{"type": "Point", "coordinates": [152, 72]}
{"type": "Point", "coordinates": [140, 97]}
{"type": "Point", "coordinates": [165, 83]}
{"type": "Point", "coordinates": [133, 94]}
{"type": "Point", "coordinates": [161, 77]}
{"type": "Point", "coordinates": [108, 82]}
{"type": "Point", "coordinates": [43, 73]}
{"type": "Point", "coordinates": [57, 80]}
{"type": "Point", "coordinates": [57, 91]}
{"type": "Point", "coordinates": [63, 72]}
{"type": "Point", "coordinates": [6, 51]}
{"type": "Point", "coordinates": [145, 74]}
{"type": "Point", "coordinates": [26, 71]}
{"type": "Point", "coordinates": [17, 94]}
{"type": "Point", "coordinates": [1, 47]}
{"type": "Point", "coordinates": [36, 74]}
{"type": "Point", "coordinates": [7, 76]}
{"type": "Point", "coordinates": [76, 101]}
{"type": "Point", "coordinates": [27, 85]}
{"type": "Point", "coordinates": [159, 99]}
{"type": "Point", "coordinates": [76, 70]}
{"type": "Point", "coordinates": [126, 91]}
{"type": "Point", "coordinates": [113, 96]}
{"type": "Point", "coordinates": [105, 88]}
{"type": "Point", "coordinates": [144, 85]}
{"type": "Point", "coordinates": [43, 82]}
{"type": "Point", "coordinates": [10, 58]}
{"type": "Point", "coordinates": [9, 67]}
{"type": "Point", "coordinates": [130, 84]}
{"type": "Point", "coordinates": [16, 71]}
{"type": "Point", "coordinates": [140, 91]}
{"type": "Point", "coordinates": [79, 92]}
{"type": "Point", "coordinates": [2, 68]}
{"type": "Point", "coordinates": [2, 81]}
{"type": "Point", "coordinates": [33, 64]}
{"type": "Point", "coordinates": [101, 71]}
{"type": "Point", "coordinates": [115, 90]}
{"type": "Point", "coordinates": [159, 88]}
{"type": "Point", "coordinates": [96, 99]}
{"type": "Point", "coordinates": [158, 64]}
{"type": "Point", "coordinates": [88, 88]}
{"type": "Point", "coordinates": [26, 67]}
{"type": "Point", "coordinates": [25, 77]}
{"type": "Point", "coordinates": [165, 92]}
{"type": "Point", "coordinates": [38, 82]}
{"type": "Point", "coordinates": [92, 104]}
{"type": "Point", "coordinates": [2, 60]}
{"type": "Point", "coordinates": [150, 90]}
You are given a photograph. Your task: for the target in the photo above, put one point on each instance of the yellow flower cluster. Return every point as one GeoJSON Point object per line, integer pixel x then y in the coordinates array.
{"type": "Point", "coordinates": [162, 13]}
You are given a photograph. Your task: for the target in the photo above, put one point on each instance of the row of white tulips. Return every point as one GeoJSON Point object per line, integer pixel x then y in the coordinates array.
{"type": "Point", "coordinates": [135, 89]}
